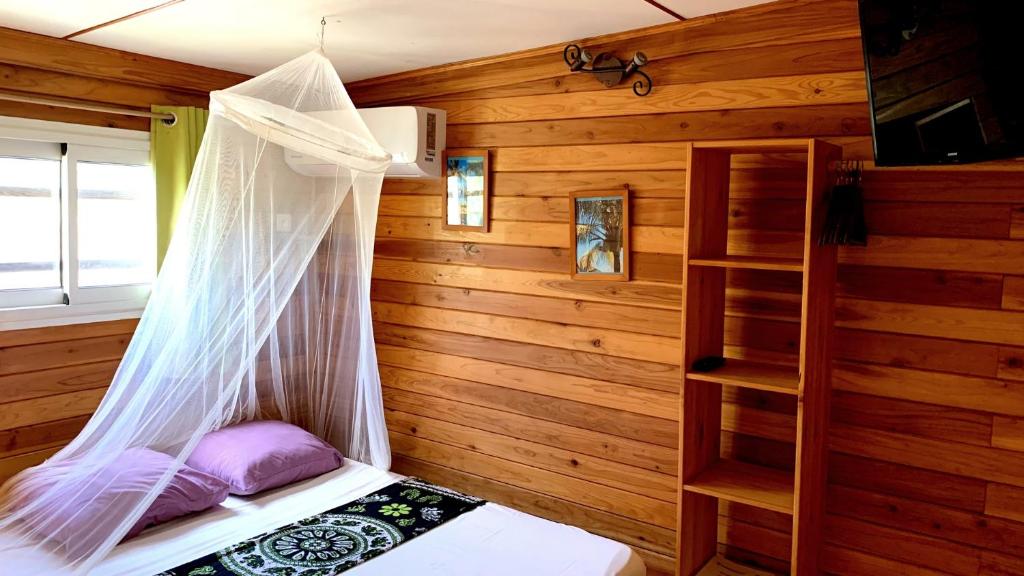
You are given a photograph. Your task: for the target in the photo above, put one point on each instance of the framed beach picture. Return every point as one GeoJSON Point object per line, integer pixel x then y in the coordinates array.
{"type": "Point", "coordinates": [466, 202]}
{"type": "Point", "coordinates": [599, 235]}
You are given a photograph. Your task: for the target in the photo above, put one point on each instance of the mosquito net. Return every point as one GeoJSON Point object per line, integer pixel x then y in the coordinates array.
{"type": "Point", "coordinates": [261, 310]}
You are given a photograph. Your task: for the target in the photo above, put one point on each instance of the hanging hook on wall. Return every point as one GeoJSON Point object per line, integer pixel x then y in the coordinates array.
{"type": "Point", "coordinates": [323, 30]}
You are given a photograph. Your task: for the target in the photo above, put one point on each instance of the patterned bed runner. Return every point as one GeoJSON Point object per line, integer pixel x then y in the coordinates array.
{"type": "Point", "coordinates": [341, 538]}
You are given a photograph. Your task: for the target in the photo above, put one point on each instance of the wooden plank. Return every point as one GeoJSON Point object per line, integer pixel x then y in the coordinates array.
{"type": "Point", "coordinates": [1011, 363]}
{"type": "Point", "coordinates": [780, 91]}
{"type": "Point", "coordinates": [1005, 501]}
{"type": "Point", "coordinates": [916, 549]}
{"type": "Point", "coordinates": [11, 466]}
{"type": "Point", "coordinates": [940, 186]}
{"type": "Point", "coordinates": [760, 423]}
{"type": "Point", "coordinates": [897, 479]}
{"type": "Point", "coordinates": [77, 58]}
{"type": "Point", "coordinates": [517, 233]}
{"type": "Point", "coordinates": [663, 377]}
{"type": "Point", "coordinates": [39, 436]}
{"type": "Point", "coordinates": [555, 434]}
{"type": "Point", "coordinates": [1017, 223]}
{"type": "Point", "coordinates": [986, 394]}
{"type": "Point", "coordinates": [533, 283]}
{"type": "Point", "coordinates": [66, 332]}
{"type": "Point", "coordinates": [909, 351]}
{"type": "Point", "coordinates": [642, 183]}
{"type": "Point", "coordinates": [748, 484]}
{"type": "Point", "coordinates": [991, 464]}
{"type": "Point", "coordinates": [57, 381]}
{"type": "Point", "coordinates": [646, 483]}
{"type": "Point", "coordinates": [585, 339]}
{"type": "Point", "coordinates": [753, 375]}
{"type": "Point", "coordinates": [973, 529]}
{"type": "Point", "coordinates": [655, 431]}
{"type": "Point", "coordinates": [46, 83]}
{"type": "Point", "coordinates": [601, 497]}
{"type": "Point", "coordinates": [27, 412]}
{"type": "Point", "coordinates": [817, 314]}
{"type": "Point", "coordinates": [827, 120]}
{"type": "Point", "coordinates": [751, 263]}
{"type": "Point", "coordinates": [72, 116]}
{"type": "Point", "coordinates": [703, 310]}
{"type": "Point", "coordinates": [643, 211]}
{"type": "Point", "coordinates": [994, 326]}
{"type": "Point", "coordinates": [599, 393]}
{"type": "Point", "coordinates": [1013, 293]}
{"type": "Point", "coordinates": [843, 561]}
{"type": "Point", "coordinates": [1008, 433]}
{"type": "Point", "coordinates": [472, 254]}
{"type": "Point", "coordinates": [914, 418]}
{"type": "Point", "coordinates": [936, 287]}
{"type": "Point", "coordinates": [610, 157]}
{"type": "Point", "coordinates": [16, 359]}
{"type": "Point", "coordinates": [965, 255]}
{"type": "Point", "coordinates": [563, 311]}
{"type": "Point", "coordinates": [995, 564]}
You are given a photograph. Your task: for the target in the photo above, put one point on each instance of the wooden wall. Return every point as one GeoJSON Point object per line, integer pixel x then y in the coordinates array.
{"type": "Point", "coordinates": [38, 65]}
{"type": "Point", "coordinates": [51, 379]}
{"type": "Point", "coordinates": [505, 378]}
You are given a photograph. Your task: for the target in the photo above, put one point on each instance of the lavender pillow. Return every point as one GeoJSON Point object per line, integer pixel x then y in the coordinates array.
{"type": "Point", "coordinates": [83, 519]}
{"type": "Point", "coordinates": [256, 456]}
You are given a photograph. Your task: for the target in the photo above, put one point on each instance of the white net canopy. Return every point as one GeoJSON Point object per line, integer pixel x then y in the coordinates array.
{"type": "Point", "coordinates": [261, 311]}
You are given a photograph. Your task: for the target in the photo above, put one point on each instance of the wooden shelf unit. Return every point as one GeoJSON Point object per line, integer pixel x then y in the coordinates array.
{"type": "Point", "coordinates": [705, 477]}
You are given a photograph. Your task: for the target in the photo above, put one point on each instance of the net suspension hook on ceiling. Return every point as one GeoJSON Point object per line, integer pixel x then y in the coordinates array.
{"type": "Point", "coordinates": [323, 30]}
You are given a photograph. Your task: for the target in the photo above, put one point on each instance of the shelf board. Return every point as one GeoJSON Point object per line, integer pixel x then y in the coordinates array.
{"type": "Point", "coordinates": [757, 146]}
{"type": "Point", "coordinates": [747, 374]}
{"type": "Point", "coordinates": [719, 566]}
{"type": "Point", "coordinates": [749, 484]}
{"type": "Point", "coordinates": [751, 263]}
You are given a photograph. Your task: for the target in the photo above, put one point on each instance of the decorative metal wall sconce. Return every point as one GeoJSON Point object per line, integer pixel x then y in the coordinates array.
{"type": "Point", "coordinates": [608, 69]}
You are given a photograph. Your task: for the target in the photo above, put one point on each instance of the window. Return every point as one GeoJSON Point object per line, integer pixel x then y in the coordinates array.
{"type": "Point", "coordinates": [77, 223]}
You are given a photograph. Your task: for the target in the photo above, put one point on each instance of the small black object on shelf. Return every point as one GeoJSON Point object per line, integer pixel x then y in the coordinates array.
{"type": "Point", "coordinates": [707, 364]}
{"type": "Point", "coordinates": [608, 69]}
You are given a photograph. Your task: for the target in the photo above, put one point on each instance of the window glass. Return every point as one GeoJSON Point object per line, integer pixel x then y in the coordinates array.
{"type": "Point", "coordinates": [116, 224]}
{"type": "Point", "coordinates": [30, 223]}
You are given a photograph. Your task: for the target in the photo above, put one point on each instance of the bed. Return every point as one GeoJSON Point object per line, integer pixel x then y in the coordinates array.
{"type": "Point", "coordinates": [491, 540]}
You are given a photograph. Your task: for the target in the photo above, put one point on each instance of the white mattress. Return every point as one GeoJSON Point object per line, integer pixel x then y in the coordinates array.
{"type": "Point", "coordinates": [492, 540]}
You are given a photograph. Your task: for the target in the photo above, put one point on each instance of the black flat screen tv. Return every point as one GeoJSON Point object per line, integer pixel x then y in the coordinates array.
{"type": "Point", "coordinates": [944, 79]}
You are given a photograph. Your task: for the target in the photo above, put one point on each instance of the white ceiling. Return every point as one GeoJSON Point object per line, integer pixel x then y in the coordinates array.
{"type": "Point", "coordinates": [364, 38]}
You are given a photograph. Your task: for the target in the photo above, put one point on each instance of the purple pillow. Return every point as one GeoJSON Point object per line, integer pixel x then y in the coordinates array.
{"type": "Point", "coordinates": [81, 520]}
{"type": "Point", "coordinates": [256, 456]}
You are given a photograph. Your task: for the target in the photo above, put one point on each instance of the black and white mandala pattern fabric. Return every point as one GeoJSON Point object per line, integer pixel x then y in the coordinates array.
{"type": "Point", "coordinates": [333, 541]}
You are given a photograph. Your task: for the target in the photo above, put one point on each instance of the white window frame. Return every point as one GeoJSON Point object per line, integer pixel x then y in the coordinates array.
{"type": "Point", "coordinates": [89, 304]}
{"type": "Point", "coordinates": [32, 296]}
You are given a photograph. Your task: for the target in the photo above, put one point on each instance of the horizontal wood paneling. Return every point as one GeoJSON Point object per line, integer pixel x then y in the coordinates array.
{"type": "Point", "coordinates": [495, 363]}
{"type": "Point", "coordinates": [38, 65]}
{"type": "Point", "coordinates": [51, 380]}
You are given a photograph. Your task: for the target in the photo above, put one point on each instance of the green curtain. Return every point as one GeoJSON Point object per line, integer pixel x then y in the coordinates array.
{"type": "Point", "coordinates": [173, 151]}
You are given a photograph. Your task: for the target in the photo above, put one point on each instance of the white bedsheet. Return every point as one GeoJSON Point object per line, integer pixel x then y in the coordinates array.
{"type": "Point", "coordinates": [490, 541]}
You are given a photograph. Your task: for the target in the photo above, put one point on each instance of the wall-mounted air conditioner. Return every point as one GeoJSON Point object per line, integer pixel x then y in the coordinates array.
{"type": "Point", "coordinates": [415, 137]}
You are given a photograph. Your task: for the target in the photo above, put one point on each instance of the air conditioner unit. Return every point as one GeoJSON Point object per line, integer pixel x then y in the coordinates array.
{"type": "Point", "coordinates": [415, 137]}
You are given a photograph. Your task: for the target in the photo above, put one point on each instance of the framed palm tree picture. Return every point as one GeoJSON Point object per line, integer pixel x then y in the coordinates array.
{"type": "Point", "coordinates": [599, 235]}
{"type": "Point", "coordinates": [465, 204]}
